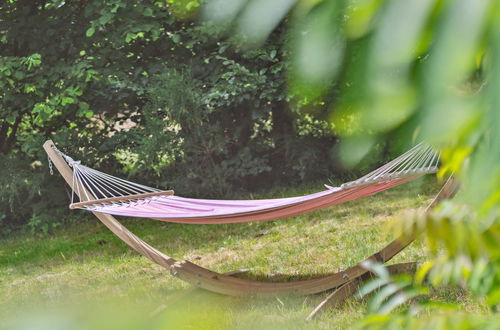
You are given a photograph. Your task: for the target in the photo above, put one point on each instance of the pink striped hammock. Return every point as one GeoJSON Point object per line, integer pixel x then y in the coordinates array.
{"type": "Point", "coordinates": [103, 195]}
{"type": "Point", "coordinates": [100, 192]}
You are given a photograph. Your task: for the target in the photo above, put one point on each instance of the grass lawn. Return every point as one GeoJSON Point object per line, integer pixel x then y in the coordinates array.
{"type": "Point", "coordinates": [83, 275]}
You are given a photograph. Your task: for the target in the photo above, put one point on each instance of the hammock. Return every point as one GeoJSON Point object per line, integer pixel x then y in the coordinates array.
{"type": "Point", "coordinates": [101, 192]}
{"type": "Point", "coordinates": [103, 195]}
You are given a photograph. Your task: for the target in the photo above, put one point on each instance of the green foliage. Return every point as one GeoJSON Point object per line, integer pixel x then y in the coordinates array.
{"type": "Point", "coordinates": [21, 191]}
{"type": "Point", "coordinates": [392, 291]}
{"type": "Point", "coordinates": [139, 90]}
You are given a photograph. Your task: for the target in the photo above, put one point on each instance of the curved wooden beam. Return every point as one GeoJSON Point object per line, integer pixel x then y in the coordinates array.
{"type": "Point", "coordinates": [226, 284]}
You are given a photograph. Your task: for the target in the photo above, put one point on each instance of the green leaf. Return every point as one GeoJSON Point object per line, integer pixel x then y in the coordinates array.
{"type": "Point", "coordinates": [192, 5]}
{"type": "Point", "coordinates": [129, 37]}
{"type": "Point", "coordinates": [67, 100]}
{"type": "Point", "coordinates": [372, 286]}
{"type": "Point", "coordinates": [18, 75]}
{"type": "Point", "coordinates": [423, 271]}
{"type": "Point", "coordinates": [176, 38]}
{"type": "Point", "coordinates": [105, 18]}
{"type": "Point", "coordinates": [85, 113]}
{"type": "Point", "coordinates": [392, 303]}
{"type": "Point", "coordinates": [90, 32]}
{"type": "Point", "coordinates": [387, 291]}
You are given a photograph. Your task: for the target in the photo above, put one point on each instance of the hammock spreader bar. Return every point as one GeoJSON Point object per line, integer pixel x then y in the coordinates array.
{"type": "Point", "coordinates": [105, 193]}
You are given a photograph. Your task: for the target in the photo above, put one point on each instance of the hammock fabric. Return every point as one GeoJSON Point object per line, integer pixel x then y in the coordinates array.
{"type": "Point", "coordinates": [125, 198]}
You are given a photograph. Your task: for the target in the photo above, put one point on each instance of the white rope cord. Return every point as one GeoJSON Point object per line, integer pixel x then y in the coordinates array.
{"type": "Point", "coordinates": [73, 186]}
{"type": "Point", "coordinates": [421, 159]}
{"type": "Point", "coordinates": [425, 161]}
{"type": "Point", "coordinates": [117, 187]}
{"type": "Point", "coordinates": [81, 187]}
{"type": "Point", "coordinates": [387, 168]}
{"type": "Point", "coordinates": [414, 163]}
{"type": "Point", "coordinates": [395, 165]}
{"type": "Point", "coordinates": [124, 183]}
{"type": "Point", "coordinates": [95, 185]}
{"type": "Point", "coordinates": [92, 182]}
{"type": "Point", "coordinates": [111, 190]}
{"type": "Point", "coordinates": [411, 162]}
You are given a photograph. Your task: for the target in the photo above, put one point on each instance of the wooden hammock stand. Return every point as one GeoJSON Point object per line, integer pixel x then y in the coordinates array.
{"type": "Point", "coordinates": [226, 283]}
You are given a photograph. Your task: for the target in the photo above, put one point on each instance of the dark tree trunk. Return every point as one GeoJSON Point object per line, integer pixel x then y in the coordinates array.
{"type": "Point", "coordinates": [6, 141]}
{"type": "Point", "coordinates": [3, 136]}
{"type": "Point", "coordinates": [283, 130]}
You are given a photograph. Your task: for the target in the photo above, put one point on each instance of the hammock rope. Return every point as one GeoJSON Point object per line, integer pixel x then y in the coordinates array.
{"type": "Point", "coordinates": [105, 193]}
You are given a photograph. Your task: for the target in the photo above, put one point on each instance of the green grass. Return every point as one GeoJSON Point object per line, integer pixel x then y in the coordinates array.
{"type": "Point", "coordinates": [84, 270]}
